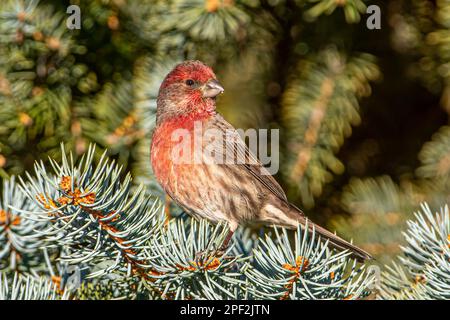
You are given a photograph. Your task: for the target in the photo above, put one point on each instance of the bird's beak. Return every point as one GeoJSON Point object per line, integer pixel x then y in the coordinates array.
{"type": "Point", "coordinates": [212, 89]}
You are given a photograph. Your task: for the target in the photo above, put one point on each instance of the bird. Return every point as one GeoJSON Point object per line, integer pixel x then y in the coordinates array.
{"type": "Point", "coordinates": [201, 182]}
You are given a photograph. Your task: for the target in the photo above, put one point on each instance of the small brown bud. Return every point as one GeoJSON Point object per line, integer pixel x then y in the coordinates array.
{"type": "Point", "coordinates": [22, 16]}
{"type": "Point", "coordinates": [37, 91]}
{"type": "Point", "coordinates": [53, 43]}
{"type": "Point", "coordinates": [25, 119]}
{"type": "Point", "coordinates": [76, 128]}
{"type": "Point", "coordinates": [66, 183]}
{"type": "Point", "coordinates": [2, 161]}
{"type": "Point", "coordinates": [113, 22]}
{"type": "Point", "coordinates": [212, 5]}
{"type": "Point", "coordinates": [38, 36]}
{"type": "Point", "coordinates": [129, 121]}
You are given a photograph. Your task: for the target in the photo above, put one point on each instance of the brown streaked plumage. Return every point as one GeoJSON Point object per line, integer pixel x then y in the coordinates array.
{"type": "Point", "coordinates": [237, 193]}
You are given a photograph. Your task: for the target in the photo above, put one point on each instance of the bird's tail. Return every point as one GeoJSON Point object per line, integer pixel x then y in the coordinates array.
{"type": "Point", "coordinates": [334, 240]}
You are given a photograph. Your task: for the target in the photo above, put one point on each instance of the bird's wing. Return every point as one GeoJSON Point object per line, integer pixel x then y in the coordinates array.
{"type": "Point", "coordinates": [234, 147]}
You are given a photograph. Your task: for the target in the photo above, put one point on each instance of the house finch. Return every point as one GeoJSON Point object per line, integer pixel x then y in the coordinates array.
{"type": "Point", "coordinates": [191, 167]}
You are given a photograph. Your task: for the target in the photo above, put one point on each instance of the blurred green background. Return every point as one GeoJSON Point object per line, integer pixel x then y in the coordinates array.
{"type": "Point", "coordinates": [363, 114]}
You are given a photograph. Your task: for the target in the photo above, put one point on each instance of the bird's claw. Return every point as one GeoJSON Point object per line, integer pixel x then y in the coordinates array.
{"type": "Point", "coordinates": [204, 255]}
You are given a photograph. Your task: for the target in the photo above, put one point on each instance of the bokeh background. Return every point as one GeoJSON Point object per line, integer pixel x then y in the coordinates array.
{"type": "Point", "coordinates": [363, 114]}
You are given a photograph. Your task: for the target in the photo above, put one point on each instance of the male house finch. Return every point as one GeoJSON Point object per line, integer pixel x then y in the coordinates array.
{"type": "Point", "coordinates": [236, 192]}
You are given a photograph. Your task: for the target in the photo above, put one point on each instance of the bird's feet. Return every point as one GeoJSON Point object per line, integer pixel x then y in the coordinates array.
{"type": "Point", "coordinates": [203, 257]}
{"type": "Point", "coordinates": [206, 256]}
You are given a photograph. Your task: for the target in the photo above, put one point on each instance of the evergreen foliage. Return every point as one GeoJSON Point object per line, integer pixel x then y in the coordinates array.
{"type": "Point", "coordinates": [117, 244]}
{"type": "Point", "coordinates": [423, 272]}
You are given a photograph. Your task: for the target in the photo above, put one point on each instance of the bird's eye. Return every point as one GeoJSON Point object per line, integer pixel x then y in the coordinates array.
{"type": "Point", "coordinates": [190, 82]}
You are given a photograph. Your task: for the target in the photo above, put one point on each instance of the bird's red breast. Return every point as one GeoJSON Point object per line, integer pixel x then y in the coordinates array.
{"type": "Point", "coordinates": [167, 143]}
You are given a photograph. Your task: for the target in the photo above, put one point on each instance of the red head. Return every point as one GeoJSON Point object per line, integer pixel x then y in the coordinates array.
{"type": "Point", "coordinates": [189, 89]}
